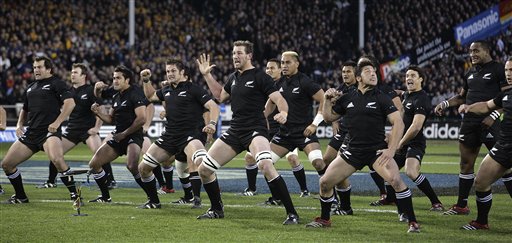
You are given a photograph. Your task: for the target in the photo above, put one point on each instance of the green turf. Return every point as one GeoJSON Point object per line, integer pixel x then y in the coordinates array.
{"type": "Point", "coordinates": [47, 218]}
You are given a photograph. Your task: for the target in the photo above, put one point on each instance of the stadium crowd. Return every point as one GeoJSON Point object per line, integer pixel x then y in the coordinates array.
{"type": "Point", "coordinates": [184, 29]}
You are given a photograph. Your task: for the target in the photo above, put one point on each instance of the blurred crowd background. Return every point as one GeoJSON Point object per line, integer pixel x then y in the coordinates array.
{"type": "Point", "coordinates": [323, 32]}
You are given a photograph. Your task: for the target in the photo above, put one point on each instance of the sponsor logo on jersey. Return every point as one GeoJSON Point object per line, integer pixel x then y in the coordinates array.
{"type": "Point", "coordinates": [183, 94]}
{"type": "Point", "coordinates": [46, 87]}
{"type": "Point", "coordinates": [350, 105]}
{"type": "Point", "coordinates": [487, 76]}
{"type": "Point", "coordinates": [295, 90]}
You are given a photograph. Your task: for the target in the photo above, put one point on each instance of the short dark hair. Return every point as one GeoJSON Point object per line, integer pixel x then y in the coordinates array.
{"type": "Point", "coordinates": [349, 64]}
{"type": "Point", "coordinates": [82, 67]}
{"type": "Point", "coordinates": [372, 59]}
{"type": "Point", "coordinates": [420, 71]}
{"type": "Point", "coordinates": [509, 59]}
{"type": "Point", "coordinates": [363, 64]}
{"type": "Point", "coordinates": [127, 73]}
{"type": "Point", "coordinates": [48, 64]}
{"type": "Point", "coordinates": [247, 44]}
{"type": "Point", "coordinates": [179, 65]}
{"type": "Point", "coordinates": [485, 45]}
{"type": "Point", "coordinates": [276, 61]}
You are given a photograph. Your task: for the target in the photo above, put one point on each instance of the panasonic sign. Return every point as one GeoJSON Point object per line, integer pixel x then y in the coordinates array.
{"type": "Point", "coordinates": [478, 27]}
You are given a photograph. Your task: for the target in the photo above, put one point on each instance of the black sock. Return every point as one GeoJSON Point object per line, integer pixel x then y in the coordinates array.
{"type": "Point", "coordinates": [69, 181]}
{"type": "Point", "coordinates": [507, 180]}
{"type": "Point", "coordinates": [52, 174]}
{"type": "Point", "coordinates": [138, 179]}
{"type": "Point", "coordinates": [390, 196]}
{"type": "Point", "coordinates": [168, 171]}
{"type": "Point", "coordinates": [213, 191]}
{"type": "Point", "coordinates": [195, 181]}
{"type": "Point", "coordinates": [272, 189]}
{"type": "Point", "coordinates": [108, 171]}
{"type": "Point", "coordinates": [150, 188]}
{"type": "Point", "coordinates": [252, 173]}
{"type": "Point", "coordinates": [282, 193]}
{"type": "Point", "coordinates": [300, 175]}
{"type": "Point", "coordinates": [483, 204]}
{"type": "Point", "coordinates": [326, 203]}
{"type": "Point", "coordinates": [344, 194]}
{"type": "Point", "coordinates": [187, 187]}
{"type": "Point", "coordinates": [404, 204]}
{"type": "Point", "coordinates": [157, 171]}
{"type": "Point", "coordinates": [424, 185]}
{"type": "Point", "coordinates": [101, 180]}
{"type": "Point", "coordinates": [379, 182]}
{"type": "Point", "coordinates": [17, 183]}
{"type": "Point", "coordinates": [322, 171]}
{"type": "Point", "coordinates": [465, 184]}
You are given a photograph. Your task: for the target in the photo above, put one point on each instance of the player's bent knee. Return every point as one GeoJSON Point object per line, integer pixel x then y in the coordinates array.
{"type": "Point", "coordinates": [412, 174]}
{"type": "Point", "coordinates": [144, 169]}
{"type": "Point", "coordinates": [210, 163]}
{"type": "Point", "coordinates": [149, 160]}
{"type": "Point", "coordinates": [274, 157]}
{"type": "Point", "coordinates": [249, 160]}
{"type": "Point", "coordinates": [6, 167]}
{"type": "Point", "coordinates": [292, 153]}
{"type": "Point", "coordinates": [315, 155]}
{"type": "Point", "coordinates": [325, 184]}
{"type": "Point", "coordinates": [198, 156]}
{"type": "Point", "coordinates": [133, 168]}
{"type": "Point", "coordinates": [181, 169]}
{"type": "Point", "coordinates": [480, 186]}
{"type": "Point", "coordinates": [262, 156]}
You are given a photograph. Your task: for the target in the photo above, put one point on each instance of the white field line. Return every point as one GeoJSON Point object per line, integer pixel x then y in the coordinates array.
{"type": "Point", "coordinates": [371, 210]}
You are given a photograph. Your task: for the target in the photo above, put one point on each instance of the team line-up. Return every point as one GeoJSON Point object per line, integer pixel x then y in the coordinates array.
{"type": "Point", "coordinates": [273, 117]}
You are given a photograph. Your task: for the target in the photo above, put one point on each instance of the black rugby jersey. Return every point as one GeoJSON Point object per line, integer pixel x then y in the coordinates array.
{"type": "Point", "coordinates": [344, 89]}
{"type": "Point", "coordinates": [416, 103]}
{"type": "Point", "coordinates": [82, 118]}
{"type": "Point", "coordinates": [249, 92]}
{"type": "Point", "coordinates": [184, 106]}
{"type": "Point", "coordinates": [504, 100]}
{"type": "Point", "coordinates": [298, 90]}
{"type": "Point", "coordinates": [124, 105]}
{"type": "Point", "coordinates": [43, 100]}
{"type": "Point", "coordinates": [273, 125]}
{"type": "Point", "coordinates": [365, 116]}
{"type": "Point", "coordinates": [386, 89]}
{"type": "Point", "coordinates": [482, 83]}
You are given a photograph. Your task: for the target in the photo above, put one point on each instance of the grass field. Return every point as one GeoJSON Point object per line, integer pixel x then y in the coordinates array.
{"type": "Point", "coordinates": [47, 218]}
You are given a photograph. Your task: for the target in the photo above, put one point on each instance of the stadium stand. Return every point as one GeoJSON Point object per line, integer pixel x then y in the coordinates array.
{"type": "Point", "coordinates": [319, 30]}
